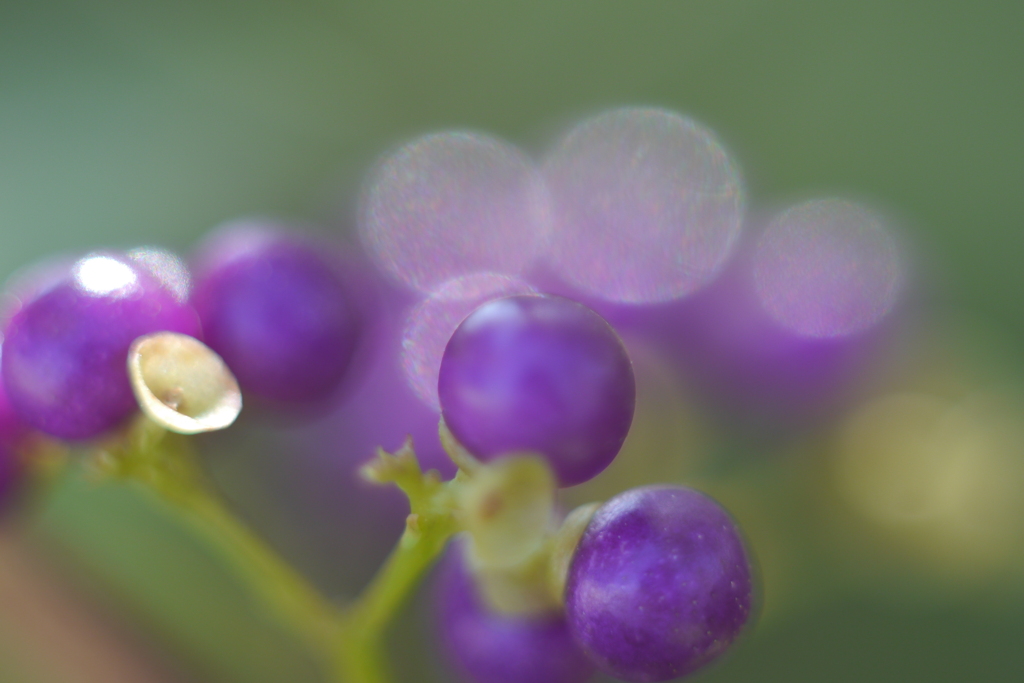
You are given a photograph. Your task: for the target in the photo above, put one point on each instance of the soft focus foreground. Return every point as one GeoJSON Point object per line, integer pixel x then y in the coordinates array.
{"type": "Point", "coordinates": [848, 387]}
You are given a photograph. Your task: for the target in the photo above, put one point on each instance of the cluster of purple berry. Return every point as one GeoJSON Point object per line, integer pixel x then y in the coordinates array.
{"type": "Point", "coordinates": [649, 586]}
{"type": "Point", "coordinates": [658, 582]}
{"type": "Point", "coordinates": [273, 306]}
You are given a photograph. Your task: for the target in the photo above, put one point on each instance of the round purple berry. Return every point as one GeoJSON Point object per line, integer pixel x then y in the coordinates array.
{"type": "Point", "coordinates": [275, 307]}
{"type": "Point", "coordinates": [485, 647]}
{"type": "Point", "coordinates": [543, 374]}
{"type": "Point", "coordinates": [65, 352]}
{"type": "Point", "coordinates": [660, 584]}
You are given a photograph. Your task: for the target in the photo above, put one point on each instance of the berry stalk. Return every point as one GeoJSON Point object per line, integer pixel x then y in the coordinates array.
{"type": "Point", "coordinates": [166, 465]}
{"type": "Point", "coordinates": [350, 642]}
{"type": "Point", "coordinates": [310, 616]}
{"type": "Point", "coordinates": [429, 526]}
{"type": "Point", "coordinates": [505, 507]}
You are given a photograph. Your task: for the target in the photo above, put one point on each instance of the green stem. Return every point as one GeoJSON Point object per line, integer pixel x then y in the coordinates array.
{"type": "Point", "coordinates": [166, 465]}
{"type": "Point", "coordinates": [361, 657]}
{"type": "Point", "coordinates": [431, 522]}
{"type": "Point", "coordinates": [285, 593]}
{"type": "Point", "coordinates": [350, 643]}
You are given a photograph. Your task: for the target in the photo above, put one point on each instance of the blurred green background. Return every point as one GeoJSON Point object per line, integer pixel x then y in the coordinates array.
{"type": "Point", "coordinates": [124, 123]}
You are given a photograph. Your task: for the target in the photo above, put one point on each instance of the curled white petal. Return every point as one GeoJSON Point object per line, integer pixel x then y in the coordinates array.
{"type": "Point", "coordinates": [182, 384]}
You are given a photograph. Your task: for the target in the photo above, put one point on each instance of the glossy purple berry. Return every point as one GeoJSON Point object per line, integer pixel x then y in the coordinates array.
{"type": "Point", "coordinates": [275, 307]}
{"type": "Point", "coordinates": [485, 647]}
{"type": "Point", "coordinates": [542, 374]}
{"type": "Point", "coordinates": [65, 351]}
{"type": "Point", "coordinates": [660, 584]}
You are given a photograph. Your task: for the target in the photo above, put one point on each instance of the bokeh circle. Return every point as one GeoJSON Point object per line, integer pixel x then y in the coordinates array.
{"type": "Point", "coordinates": [451, 204]}
{"type": "Point", "coordinates": [827, 268]}
{"type": "Point", "coordinates": [646, 205]}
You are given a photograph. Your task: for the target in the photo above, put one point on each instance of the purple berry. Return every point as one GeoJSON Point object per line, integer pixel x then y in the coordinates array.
{"type": "Point", "coordinates": [660, 584]}
{"type": "Point", "coordinates": [543, 374]}
{"type": "Point", "coordinates": [743, 361]}
{"type": "Point", "coordinates": [275, 308]}
{"type": "Point", "coordinates": [65, 352]}
{"type": "Point", "coordinates": [486, 647]}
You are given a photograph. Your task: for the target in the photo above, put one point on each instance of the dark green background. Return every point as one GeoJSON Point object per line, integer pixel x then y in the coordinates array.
{"type": "Point", "coordinates": [126, 122]}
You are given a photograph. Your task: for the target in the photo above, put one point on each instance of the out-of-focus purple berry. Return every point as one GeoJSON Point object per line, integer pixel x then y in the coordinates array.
{"type": "Point", "coordinates": [741, 359]}
{"type": "Point", "coordinates": [450, 204]}
{"type": "Point", "coordinates": [543, 374]}
{"type": "Point", "coordinates": [827, 268]}
{"type": "Point", "coordinates": [485, 647]}
{"type": "Point", "coordinates": [660, 584]}
{"type": "Point", "coordinates": [65, 351]}
{"type": "Point", "coordinates": [275, 307]}
{"type": "Point", "coordinates": [747, 362]}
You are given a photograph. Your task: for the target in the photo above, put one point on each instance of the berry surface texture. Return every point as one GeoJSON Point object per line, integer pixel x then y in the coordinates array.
{"type": "Point", "coordinates": [660, 584]}
{"type": "Point", "coordinates": [541, 374]}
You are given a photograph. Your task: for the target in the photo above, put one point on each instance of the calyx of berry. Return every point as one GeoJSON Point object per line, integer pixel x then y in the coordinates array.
{"type": "Point", "coordinates": [517, 551]}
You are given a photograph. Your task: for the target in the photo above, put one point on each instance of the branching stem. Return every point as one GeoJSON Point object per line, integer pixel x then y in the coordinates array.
{"type": "Point", "coordinates": [350, 642]}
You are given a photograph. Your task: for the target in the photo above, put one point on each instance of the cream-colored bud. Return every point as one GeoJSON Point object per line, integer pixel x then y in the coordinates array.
{"type": "Point", "coordinates": [181, 384]}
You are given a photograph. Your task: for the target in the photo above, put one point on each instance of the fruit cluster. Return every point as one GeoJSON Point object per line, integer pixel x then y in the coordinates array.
{"type": "Point", "coordinates": [635, 210]}
{"type": "Point", "coordinates": [649, 586]}
{"type": "Point", "coordinates": [660, 583]}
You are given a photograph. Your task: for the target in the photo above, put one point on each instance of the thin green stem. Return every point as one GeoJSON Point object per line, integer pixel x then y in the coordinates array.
{"type": "Point", "coordinates": [431, 522]}
{"type": "Point", "coordinates": [350, 642]}
{"type": "Point", "coordinates": [388, 590]}
{"type": "Point", "coordinates": [283, 591]}
{"type": "Point", "coordinates": [361, 657]}
{"type": "Point", "coordinates": [166, 465]}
